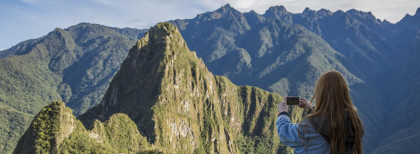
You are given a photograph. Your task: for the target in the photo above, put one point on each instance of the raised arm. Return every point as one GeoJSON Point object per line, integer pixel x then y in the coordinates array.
{"type": "Point", "coordinates": [287, 131]}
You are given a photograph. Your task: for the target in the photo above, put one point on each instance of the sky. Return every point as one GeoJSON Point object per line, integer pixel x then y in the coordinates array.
{"type": "Point", "coordinates": [21, 20]}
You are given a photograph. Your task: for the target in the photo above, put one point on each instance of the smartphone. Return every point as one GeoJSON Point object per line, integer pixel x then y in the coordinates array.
{"type": "Point", "coordinates": [292, 100]}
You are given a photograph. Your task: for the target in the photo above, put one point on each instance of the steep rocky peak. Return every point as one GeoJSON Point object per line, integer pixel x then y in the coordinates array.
{"type": "Point", "coordinates": [315, 15]}
{"type": "Point", "coordinates": [252, 12]}
{"type": "Point", "coordinates": [278, 13]}
{"type": "Point", "coordinates": [227, 9]}
{"type": "Point", "coordinates": [57, 33]}
{"type": "Point", "coordinates": [232, 19]}
{"type": "Point", "coordinates": [361, 14]}
{"type": "Point", "coordinates": [339, 13]}
{"type": "Point", "coordinates": [253, 16]}
{"type": "Point", "coordinates": [161, 36]}
{"type": "Point", "coordinates": [308, 11]}
{"type": "Point", "coordinates": [279, 10]}
{"type": "Point", "coordinates": [323, 12]}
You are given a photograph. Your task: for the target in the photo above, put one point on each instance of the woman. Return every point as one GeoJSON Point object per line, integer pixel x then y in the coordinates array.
{"type": "Point", "coordinates": [333, 126]}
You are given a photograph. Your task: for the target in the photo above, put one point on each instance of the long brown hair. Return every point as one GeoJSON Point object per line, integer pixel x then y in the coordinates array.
{"type": "Point", "coordinates": [332, 101]}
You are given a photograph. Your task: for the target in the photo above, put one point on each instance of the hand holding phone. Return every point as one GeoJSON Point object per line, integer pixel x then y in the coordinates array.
{"type": "Point", "coordinates": [304, 103]}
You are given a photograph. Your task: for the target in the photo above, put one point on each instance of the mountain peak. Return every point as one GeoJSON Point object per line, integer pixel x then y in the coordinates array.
{"type": "Point", "coordinates": [162, 33]}
{"type": "Point", "coordinates": [324, 11]}
{"type": "Point", "coordinates": [339, 13]}
{"type": "Point", "coordinates": [224, 11]}
{"type": "Point", "coordinates": [276, 12]}
{"type": "Point", "coordinates": [163, 29]}
{"type": "Point", "coordinates": [308, 11]}
{"type": "Point", "coordinates": [226, 8]}
{"type": "Point", "coordinates": [417, 12]}
{"type": "Point", "coordinates": [361, 14]}
{"type": "Point", "coordinates": [278, 8]}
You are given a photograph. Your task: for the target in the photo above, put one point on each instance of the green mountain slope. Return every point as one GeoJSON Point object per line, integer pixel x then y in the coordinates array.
{"type": "Point", "coordinates": [74, 65]}
{"type": "Point", "coordinates": [176, 103]}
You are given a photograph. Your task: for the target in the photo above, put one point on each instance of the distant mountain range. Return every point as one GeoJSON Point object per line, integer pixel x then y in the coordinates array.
{"type": "Point", "coordinates": [278, 51]}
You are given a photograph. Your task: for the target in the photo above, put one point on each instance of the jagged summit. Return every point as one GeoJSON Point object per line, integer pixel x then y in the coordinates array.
{"type": "Point", "coordinates": [227, 9]}
{"type": "Point", "coordinates": [276, 12]}
{"type": "Point", "coordinates": [361, 14]}
{"type": "Point", "coordinates": [324, 11]}
{"type": "Point", "coordinates": [227, 6]}
{"type": "Point", "coordinates": [277, 9]}
{"type": "Point", "coordinates": [307, 11]}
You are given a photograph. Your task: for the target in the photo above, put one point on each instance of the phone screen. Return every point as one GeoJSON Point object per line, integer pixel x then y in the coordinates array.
{"type": "Point", "coordinates": [292, 100]}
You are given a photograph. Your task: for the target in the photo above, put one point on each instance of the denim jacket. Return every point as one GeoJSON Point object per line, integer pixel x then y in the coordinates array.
{"type": "Point", "coordinates": [307, 141]}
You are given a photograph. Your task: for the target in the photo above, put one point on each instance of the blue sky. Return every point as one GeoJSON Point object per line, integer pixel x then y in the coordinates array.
{"type": "Point", "coordinates": [27, 19]}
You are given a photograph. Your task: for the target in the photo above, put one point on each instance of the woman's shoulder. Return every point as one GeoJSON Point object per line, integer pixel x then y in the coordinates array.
{"type": "Point", "coordinates": [306, 126]}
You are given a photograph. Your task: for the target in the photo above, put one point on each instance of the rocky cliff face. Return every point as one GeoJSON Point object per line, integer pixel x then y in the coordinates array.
{"type": "Point", "coordinates": [166, 94]}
